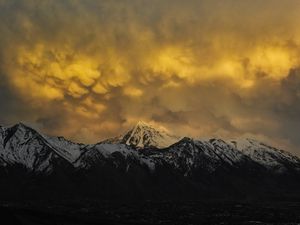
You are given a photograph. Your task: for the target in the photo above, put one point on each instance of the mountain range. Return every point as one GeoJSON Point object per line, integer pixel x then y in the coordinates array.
{"type": "Point", "coordinates": [145, 163]}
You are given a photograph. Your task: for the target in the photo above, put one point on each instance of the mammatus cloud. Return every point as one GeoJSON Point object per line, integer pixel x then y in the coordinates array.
{"type": "Point", "coordinates": [90, 69]}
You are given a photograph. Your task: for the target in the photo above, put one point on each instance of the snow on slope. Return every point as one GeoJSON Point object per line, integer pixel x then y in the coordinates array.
{"type": "Point", "coordinates": [100, 152]}
{"type": "Point", "coordinates": [24, 146]}
{"type": "Point", "coordinates": [267, 156]}
{"type": "Point", "coordinates": [145, 135]}
{"type": "Point", "coordinates": [226, 151]}
{"type": "Point", "coordinates": [67, 149]}
{"type": "Point", "coordinates": [21, 145]}
{"type": "Point", "coordinates": [208, 155]}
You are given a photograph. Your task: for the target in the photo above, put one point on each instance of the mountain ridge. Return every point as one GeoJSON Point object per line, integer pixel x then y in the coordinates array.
{"type": "Point", "coordinates": [138, 164]}
{"type": "Point", "coordinates": [144, 135]}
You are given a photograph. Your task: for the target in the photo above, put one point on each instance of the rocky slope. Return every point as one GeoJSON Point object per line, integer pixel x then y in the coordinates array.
{"type": "Point", "coordinates": [146, 162]}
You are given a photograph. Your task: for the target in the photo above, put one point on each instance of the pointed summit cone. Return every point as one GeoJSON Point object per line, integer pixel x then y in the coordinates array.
{"type": "Point", "coordinates": [145, 135]}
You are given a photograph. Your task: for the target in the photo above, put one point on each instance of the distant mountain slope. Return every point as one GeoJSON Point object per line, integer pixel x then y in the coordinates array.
{"type": "Point", "coordinates": [136, 164]}
{"type": "Point", "coordinates": [21, 145]}
{"type": "Point", "coordinates": [269, 157]}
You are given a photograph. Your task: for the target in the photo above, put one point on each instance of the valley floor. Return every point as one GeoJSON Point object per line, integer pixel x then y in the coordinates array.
{"type": "Point", "coordinates": [150, 213]}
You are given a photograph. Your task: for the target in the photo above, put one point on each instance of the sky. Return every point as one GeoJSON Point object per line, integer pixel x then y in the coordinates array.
{"type": "Point", "coordinates": [90, 69]}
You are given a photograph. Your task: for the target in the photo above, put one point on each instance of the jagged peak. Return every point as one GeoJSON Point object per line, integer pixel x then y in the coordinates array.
{"type": "Point", "coordinates": [17, 126]}
{"type": "Point", "coordinates": [22, 125]}
{"type": "Point", "coordinates": [184, 141]}
{"type": "Point", "coordinates": [187, 139]}
{"type": "Point", "coordinates": [145, 134]}
{"type": "Point", "coordinates": [142, 124]}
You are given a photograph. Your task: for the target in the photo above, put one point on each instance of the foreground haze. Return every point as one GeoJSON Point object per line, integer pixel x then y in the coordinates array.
{"type": "Point", "coordinates": [88, 70]}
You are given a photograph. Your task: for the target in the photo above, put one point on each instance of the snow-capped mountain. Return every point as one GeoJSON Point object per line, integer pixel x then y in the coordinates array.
{"type": "Point", "coordinates": [267, 156]}
{"type": "Point", "coordinates": [189, 155]}
{"type": "Point", "coordinates": [138, 156]}
{"type": "Point", "coordinates": [23, 146]}
{"type": "Point", "coordinates": [103, 153]}
{"type": "Point", "coordinates": [144, 135]}
{"type": "Point", "coordinates": [65, 148]}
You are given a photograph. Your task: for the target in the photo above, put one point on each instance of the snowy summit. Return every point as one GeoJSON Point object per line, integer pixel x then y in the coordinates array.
{"type": "Point", "coordinates": [145, 135]}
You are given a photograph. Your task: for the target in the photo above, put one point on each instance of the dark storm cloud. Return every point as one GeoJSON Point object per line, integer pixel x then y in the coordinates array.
{"type": "Point", "coordinates": [90, 69]}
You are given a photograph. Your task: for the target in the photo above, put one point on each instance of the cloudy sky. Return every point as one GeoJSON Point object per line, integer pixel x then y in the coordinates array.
{"type": "Point", "coordinates": [89, 69]}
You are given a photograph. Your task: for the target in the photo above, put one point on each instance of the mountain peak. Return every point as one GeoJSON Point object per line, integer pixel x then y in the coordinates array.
{"type": "Point", "coordinates": [142, 123]}
{"type": "Point", "coordinates": [20, 128]}
{"type": "Point", "coordinates": [146, 135]}
{"type": "Point", "coordinates": [21, 125]}
{"type": "Point", "coordinates": [145, 125]}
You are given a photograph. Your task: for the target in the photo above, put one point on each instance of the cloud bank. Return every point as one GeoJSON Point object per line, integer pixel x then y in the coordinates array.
{"type": "Point", "coordinates": [90, 69]}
